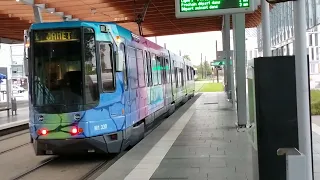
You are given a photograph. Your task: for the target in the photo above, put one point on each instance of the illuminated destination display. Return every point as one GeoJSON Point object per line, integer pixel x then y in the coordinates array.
{"type": "Point", "coordinates": [203, 5]}
{"type": "Point", "coordinates": [204, 8]}
{"type": "Point", "coordinates": [56, 36]}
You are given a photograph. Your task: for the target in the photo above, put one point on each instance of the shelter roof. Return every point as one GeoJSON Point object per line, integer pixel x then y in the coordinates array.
{"type": "Point", "coordinates": [17, 15]}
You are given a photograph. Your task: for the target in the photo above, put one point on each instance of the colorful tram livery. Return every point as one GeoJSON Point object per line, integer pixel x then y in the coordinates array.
{"type": "Point", "coordinates": [96, 87]}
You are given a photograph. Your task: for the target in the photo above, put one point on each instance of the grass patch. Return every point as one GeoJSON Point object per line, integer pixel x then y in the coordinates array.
{"type": "Point", "coordinates": [198, 79]}
{"type": "Point", "coordinates": [211, 87]}
{"type": "Point", "coordinates": [315, 102]}
{"type": "Point", "coordinates": [198, 86]}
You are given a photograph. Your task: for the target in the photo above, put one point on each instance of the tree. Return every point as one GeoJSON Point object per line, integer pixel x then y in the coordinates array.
{"type": "Point", "coordinates": [187, 57]}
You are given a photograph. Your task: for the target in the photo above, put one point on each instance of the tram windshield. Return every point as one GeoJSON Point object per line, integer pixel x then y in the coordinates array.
{"type": "Point", "coordinates": [58, 85]}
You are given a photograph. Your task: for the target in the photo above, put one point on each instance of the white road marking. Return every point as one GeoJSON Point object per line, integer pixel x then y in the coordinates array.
{"type": "Point", "coordinates": [316, 128]}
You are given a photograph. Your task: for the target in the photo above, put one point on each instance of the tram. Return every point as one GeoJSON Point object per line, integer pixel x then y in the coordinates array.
{"type": "Point", "coordinates": [96, 87]}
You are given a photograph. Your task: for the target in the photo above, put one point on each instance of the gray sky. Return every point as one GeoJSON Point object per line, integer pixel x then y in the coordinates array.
{"type": "Point", "coordinates": [196, 43]}
{"type": "Point", "coordinates": [192, 44]}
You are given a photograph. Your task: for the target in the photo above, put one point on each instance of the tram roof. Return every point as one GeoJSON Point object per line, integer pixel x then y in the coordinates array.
{"type": "Point", "coordinates": [18, 15]}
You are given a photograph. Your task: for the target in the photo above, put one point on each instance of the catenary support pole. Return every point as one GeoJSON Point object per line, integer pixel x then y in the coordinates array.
{"type": "Point", "coordinates": [226, 49]}
{"type": "Point", "coordinates": [303, 103]}
{"type": "Point", "coordinates": [266, 37]}
{"type": "Point", "coordinates": [225, 70]}
{"type": "Point", "coordinates": [201, 65]}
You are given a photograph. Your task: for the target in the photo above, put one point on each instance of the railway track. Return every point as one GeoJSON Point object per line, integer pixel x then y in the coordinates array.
{"type": "Point", "coordinates": [14, 148]}
{"type": "Point", "coordinates": [41, 169]}
{"type": "Point", "coordinates": [93, 171]}
{"type": "Point", "coordinates": [44, 163]}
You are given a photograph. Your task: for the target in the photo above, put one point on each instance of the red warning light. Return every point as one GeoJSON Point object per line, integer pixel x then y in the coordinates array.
{"type": "Point", "coordinates": [76, 130]}
{"type": "Point", "coordinates": [42, 132]}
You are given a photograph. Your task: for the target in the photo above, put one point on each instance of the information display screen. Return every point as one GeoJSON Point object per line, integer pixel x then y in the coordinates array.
{"type": "Point", "coordinates": [57, 35]}
{"type": "Point", "coordinates": [203, 8]}
{"type": "Point", "coordinates": [203, 5]}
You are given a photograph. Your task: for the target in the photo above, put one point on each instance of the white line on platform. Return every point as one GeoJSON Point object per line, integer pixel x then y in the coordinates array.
{"type": "Point", "coordinates": [316, 128]}
{"type": "Point", "coordinates": [13, 124]}
{"type": "Point", "coordinates": [149, 164]}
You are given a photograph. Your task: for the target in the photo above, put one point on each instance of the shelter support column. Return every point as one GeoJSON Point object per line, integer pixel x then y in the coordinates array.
{"type": "Point", "coordinates": [225, 73]}
{"type": "Point", "coordinates": [37, 14]}
{"type": "Point", "coordinates": [302, 85]}
{"type": "Point", "coordinates": [226, 50]}
{"type": "Point", "coordinates": [240, 64]}
{"type": "Point", "coordinates": [266, 37]}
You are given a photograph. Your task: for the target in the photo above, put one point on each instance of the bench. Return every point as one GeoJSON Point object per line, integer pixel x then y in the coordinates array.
{"type": "Point", "coordinates": [6, 109]}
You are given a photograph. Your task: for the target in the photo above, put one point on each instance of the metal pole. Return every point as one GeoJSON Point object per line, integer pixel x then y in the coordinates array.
{"type": "Point", "coordinates": [303, 103]}
{"type": "Point", "coordinates": [156, 40]}
{"type": "Point", "coordinates": [225, 70]}
{"type": "Point", "coordinates": [217, 75]}
{"type": "Point", "coordinates": [226, 49]}
{"type": "Point", "coordinates": [266, 37]}
{"type": "Point", "coordinates": [205, 67]}
{"type": "Point", "coordinates": [201, 67]}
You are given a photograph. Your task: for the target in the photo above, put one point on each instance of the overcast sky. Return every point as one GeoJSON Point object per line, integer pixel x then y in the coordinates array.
{"type": "Point", "coordinates": [196, 43]}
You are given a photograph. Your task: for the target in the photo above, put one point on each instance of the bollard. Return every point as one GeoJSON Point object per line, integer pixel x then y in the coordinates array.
{"type": "Point", "coordinates": [295, 163]}
{"type": "Point", "coordinates": [14, 105]}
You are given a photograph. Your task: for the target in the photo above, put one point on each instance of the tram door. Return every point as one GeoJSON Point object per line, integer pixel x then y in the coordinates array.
{"type": "Point", "coordinates": [126, 93]}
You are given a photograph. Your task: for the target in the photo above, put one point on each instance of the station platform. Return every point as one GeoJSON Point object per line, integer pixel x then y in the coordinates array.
{"type": "Point", "coordinates": [21, 118]}
{"type": "Point", "coordinates": [198, 142]}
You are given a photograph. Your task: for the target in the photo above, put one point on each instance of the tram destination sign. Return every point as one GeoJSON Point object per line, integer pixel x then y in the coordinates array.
{"type": "Point", "coordinates": [44, 36]}
{"type": "Point", "coordinates": [201, 8]}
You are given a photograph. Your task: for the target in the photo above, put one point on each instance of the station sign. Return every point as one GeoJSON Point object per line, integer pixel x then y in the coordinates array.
{"type": "Point", "coordinates": [202, 8]}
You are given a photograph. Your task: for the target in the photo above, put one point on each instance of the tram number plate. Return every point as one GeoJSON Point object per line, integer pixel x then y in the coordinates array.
{"type": "Point", "coordinates": [100, 127]}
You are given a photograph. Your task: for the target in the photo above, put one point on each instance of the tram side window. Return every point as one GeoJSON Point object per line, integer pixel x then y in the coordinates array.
{"type": "Point", "coordinates": [176, 76]}
{"type": "Point", "coordinates": [154, 69]}
{"type": "Point", "coordinates": [125, 73]}
{"type": "Point", "coordinates": [163, 71]}
{"type": "Point", "coordinates": [132, 67]}
{"type": "Point", "coordinates": [167, 68]}
{"type": "Point", "coordinates": [191, 73]}
{"type": "Point", "coordinates": [149, 69]}
{"type": "Point", "coordinates": [140, 68]}
{"type": "Point", "coordinates": [182, 77]}
{"type": "Point", "coordinates": [91, 88]}
{"type": "Point", "coordinates": [107, 75]}
{"type": "Point", "coordinates": [159, 69]}
{"type": "Point", "coordinates": [188, 73]}
{"type": "Point", "coordinates": [145, 66]}
{"type": "Point", "coordinates": [172, 72]}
